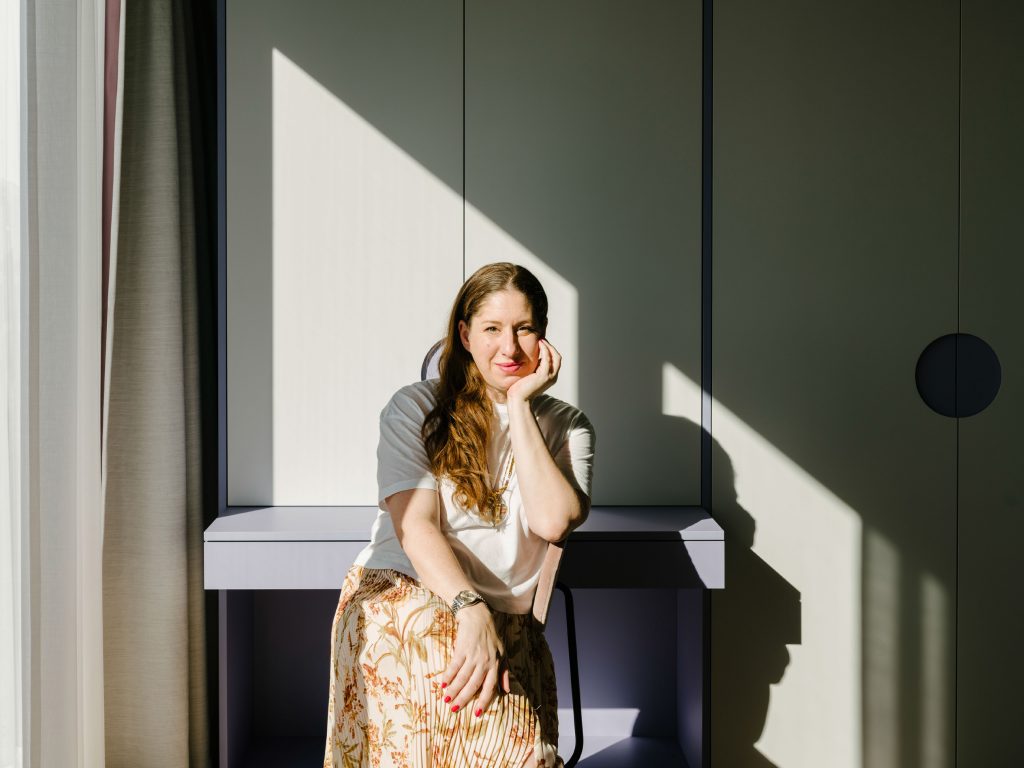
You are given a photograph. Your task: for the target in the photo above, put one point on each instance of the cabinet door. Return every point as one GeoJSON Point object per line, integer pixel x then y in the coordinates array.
{"type": "Point", "coordinates": [344, 241]}
{"type": "Point", "coordinates": [583, 163]}
{"type": "Point", "coordinates": [835, 208]}
{"type": "Point", "coordinates": [990, 618]}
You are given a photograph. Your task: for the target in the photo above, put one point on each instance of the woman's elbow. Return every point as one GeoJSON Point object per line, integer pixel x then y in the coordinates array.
{"type": "Point", "coordinates": [555, 530]}
{"type": "Point", "coordinates": [551, 532]}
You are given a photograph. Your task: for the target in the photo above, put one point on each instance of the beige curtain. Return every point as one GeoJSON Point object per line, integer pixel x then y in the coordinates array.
{"type": "Point", "coordinates": [53, 522]}
{"type": "Point", "coordinates": [11, 739]}
{"type": "Point", "coordinates": [156, 699]}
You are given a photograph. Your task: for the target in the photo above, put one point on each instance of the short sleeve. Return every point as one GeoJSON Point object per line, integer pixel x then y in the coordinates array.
{"type": "Point", "coordinates": [576, 456]}
{"type": "Point", "coordinates": [401, 458]}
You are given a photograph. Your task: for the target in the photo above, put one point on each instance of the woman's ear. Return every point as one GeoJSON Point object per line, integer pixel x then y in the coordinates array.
{"type": "Point", "coordinates": [464, 334]}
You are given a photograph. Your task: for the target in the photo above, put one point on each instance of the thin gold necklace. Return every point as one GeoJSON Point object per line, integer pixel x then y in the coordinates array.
{"type": "Point", "coordinates": [496, 506]}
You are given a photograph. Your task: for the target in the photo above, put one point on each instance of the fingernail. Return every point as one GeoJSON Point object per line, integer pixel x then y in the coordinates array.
{"type": "Point", "coordinates": [444, 685]}
{"type": "Point", "coordinates": [455, 708]}
{"type": "Point", "coordinates": [447, 699]}
{"type": "Point", "coordinates": [478, 712]}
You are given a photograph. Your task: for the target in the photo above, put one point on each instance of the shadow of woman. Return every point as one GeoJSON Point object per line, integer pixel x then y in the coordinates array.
{"type": "Point", "coordinates": [752, 621]}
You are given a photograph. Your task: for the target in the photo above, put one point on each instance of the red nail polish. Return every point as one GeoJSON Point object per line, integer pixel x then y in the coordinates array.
{"type": "Point", "coordinates": [447, 699]}
{"type": "Point", "coordinates": [444, 685]}
{"type": "Point", "coordinates": [478, 712]}
{"type": "Point", "coordinates": [455, 708]}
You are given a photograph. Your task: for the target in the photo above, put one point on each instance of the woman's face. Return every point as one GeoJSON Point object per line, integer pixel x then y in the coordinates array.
{"type": "Point", "coordinates": [503, 341]}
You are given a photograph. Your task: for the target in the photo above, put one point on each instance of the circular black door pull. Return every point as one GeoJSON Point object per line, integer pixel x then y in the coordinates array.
{"type": "Point", "coordinates": [958, 375]}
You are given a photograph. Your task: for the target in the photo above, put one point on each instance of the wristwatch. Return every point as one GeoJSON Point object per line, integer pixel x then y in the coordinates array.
{"type": "Point", "coordinates": [464, 598]}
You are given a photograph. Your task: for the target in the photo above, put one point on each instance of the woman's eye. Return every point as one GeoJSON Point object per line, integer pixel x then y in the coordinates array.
{"type": "Point", "coordinates": [526, 329]}
{"type": "Point", "coordinates": [490, 328]}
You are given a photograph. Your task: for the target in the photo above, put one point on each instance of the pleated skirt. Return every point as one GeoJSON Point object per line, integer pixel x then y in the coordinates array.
{"type": "Point", "coordinates": [391, 640]}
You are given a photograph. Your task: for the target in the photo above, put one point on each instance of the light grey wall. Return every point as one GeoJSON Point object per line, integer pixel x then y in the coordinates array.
{"type": "Point", "coordinates": [835, 264]}
{"type": "Point", "coordinates": [583, 144]}
{"type": "Point", "coordinates": [582, 161]}
{"type": "Point", "coordinates": [837, 189]}
{"type": "Point", "coordinates": [344, 232]}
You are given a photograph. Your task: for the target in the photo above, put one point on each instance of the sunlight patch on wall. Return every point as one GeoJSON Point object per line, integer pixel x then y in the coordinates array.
{"type": "Point", "coordinates": [811, 538]}
{"type": "Point", "coordinates": [680, 395]}
{"type": "Point", "coordinates": [882, 570]}
{"type": "Point", "coordinates": [936, 619]}
{"type": "Point", "coordinates": [367, 257]}
{"type": "Point", "coordinates": [486, 242]}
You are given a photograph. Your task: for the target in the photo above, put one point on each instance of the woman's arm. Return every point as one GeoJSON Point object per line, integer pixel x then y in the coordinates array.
{"type": "Point", "coordinates": [416, 517]}
{"type": "Point", "coordinates": [553, 505]}
{"type": "Point", "coordinates": [473, 671]}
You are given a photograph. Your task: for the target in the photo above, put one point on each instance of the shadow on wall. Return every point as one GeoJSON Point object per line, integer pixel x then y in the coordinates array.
{"type": "Point", "coordinates": [755, 617]}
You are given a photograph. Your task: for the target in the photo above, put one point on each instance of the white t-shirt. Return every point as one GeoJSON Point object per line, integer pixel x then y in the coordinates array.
{"type": "Point", "coordinates": [502, 563]}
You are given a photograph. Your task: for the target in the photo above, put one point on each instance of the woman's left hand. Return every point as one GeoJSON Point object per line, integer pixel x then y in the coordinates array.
{"type": "Point", "coordinates": [542, 378]}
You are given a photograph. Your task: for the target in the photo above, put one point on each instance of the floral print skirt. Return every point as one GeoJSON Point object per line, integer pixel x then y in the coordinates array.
{"type": "Point", "coordinates": [390, 643]}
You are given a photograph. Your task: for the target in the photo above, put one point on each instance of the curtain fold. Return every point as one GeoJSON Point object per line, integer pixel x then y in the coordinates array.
{"type": "Point", "coordinates": [154, 619]}
{"type": "Point", "coordinates": [113, 81]}
{"type": "Point", "coordinates": [11, 748]}
{"type": "Point", "coordinates": [103, 646]}
{"type": "Point", "coordinates": [59, 502]}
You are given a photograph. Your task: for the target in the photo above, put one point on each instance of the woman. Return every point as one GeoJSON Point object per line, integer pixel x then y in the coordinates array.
{"type": "Point", "coordinates": [436, 659]}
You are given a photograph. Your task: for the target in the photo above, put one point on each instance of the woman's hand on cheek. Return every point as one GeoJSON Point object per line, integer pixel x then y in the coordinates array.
{"type": "Point", "coordinates": [548, 364]}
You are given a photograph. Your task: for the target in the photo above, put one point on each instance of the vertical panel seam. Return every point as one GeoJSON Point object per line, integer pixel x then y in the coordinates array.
{"type": "Point", "coordinates": [705, 336]}
{"type": "Point", "coordinates": [707, 82]}
{"type": "Point", "coordinates": [222, 325]}
{"type": "Point", "coordinates": [956, 376]}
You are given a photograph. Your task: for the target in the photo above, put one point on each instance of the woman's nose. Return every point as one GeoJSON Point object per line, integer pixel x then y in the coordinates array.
{"type": "Point", "coordinates": [509, 344]}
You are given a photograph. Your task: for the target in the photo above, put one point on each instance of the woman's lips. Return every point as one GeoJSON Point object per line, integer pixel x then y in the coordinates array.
{"type": "Point", "coordinates": [509, 367]}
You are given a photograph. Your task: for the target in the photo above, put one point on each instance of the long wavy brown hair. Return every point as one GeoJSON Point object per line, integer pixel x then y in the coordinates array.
{"type": "Point", "coordinates": [457, 431]}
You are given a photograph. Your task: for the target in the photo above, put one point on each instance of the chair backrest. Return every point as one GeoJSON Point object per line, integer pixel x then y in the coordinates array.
{"type": "Point", "coordinates": [431, 362]}
{"type": "Point", "coordinates": [553, 556]}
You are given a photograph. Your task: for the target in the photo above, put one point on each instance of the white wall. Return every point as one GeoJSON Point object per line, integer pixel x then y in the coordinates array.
{"type": "Point", "coordinates": [349, 230]}
{"type": "Point", "coordinates": [344, 233]}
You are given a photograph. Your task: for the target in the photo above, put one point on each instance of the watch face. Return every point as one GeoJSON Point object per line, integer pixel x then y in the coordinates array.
{"type": "Point", "coordinates": [464, 598]}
